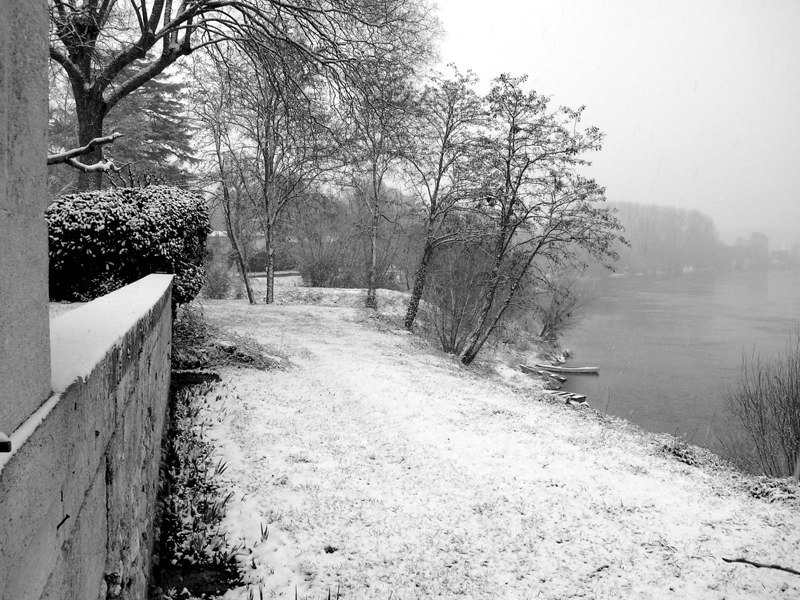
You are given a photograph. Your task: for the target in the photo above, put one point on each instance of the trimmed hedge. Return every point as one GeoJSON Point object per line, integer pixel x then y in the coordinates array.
{"type": "Point", "coordinates": [103, 240]}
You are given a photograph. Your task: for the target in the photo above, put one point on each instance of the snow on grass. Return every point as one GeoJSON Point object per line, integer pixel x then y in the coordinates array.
{"type": "Point", "coordinates": [382, 469]}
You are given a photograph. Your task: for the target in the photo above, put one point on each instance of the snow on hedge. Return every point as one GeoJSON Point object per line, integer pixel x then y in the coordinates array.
{"type": "Point", "coordinates": [103, 240]}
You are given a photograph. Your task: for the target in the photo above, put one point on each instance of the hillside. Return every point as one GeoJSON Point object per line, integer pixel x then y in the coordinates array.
{"type": "Point", "coordinates": [383, 468]}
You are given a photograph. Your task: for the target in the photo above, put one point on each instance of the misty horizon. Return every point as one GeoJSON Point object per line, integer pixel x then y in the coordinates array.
{"type": "Point", "coordinates": [696, 99]}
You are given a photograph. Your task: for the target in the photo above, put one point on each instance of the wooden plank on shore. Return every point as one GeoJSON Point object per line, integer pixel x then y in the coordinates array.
{"type": "Point", "coordinates": [568, 396]}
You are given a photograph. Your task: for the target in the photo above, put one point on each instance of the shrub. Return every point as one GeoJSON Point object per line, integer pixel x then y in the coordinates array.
{"type": "Point", "coordinates": [284, 257]}
{"type": "Point", "coordinates": [557, 302]}
{"type": "Point", "coordinates": [257, 262]}
{"type": "Point", "coordinates": [331, 248]}
{"type": "Point", "coordinates": [453, 294]}
{"type": "Point", "coordinates": [103, 240]}
{"type": "Point", "coordinates": [283, 260]}
{"type": "Point", "coordinates": [218, 280]}
{"type": "Point", "coordinates": [545, 302]}
{"type": "Point", "coordinates": [681, 450]}
{"type": "Point", "coordinates": [766, 402]}
{"type": "Point", "coordinates": [328, 271]}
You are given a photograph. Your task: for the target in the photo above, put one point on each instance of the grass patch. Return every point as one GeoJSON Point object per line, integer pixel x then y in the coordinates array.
{"type": "Point", "coordinates": [775, 490]}
{"type": "Point", "coordinates": [199, 344]}
{"type": "Point", "coordinates": [193, 557]}
{"type": "Point", "coordinates": [193, 552]}
{"type": "Point", "coordinates": [681, 450]}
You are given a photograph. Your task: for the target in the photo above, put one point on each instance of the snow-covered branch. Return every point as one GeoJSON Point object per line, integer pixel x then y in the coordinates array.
{"type": "Point", "coordinates": [68, 156]}
{"type": "Point", "coordinates": [104, 166]}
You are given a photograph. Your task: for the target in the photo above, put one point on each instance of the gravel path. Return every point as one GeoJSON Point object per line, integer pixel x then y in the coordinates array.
{"type": "Point", "coordinates": [383, 469]}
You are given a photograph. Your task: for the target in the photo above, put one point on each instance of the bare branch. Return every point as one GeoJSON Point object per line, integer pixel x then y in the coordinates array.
{"type": "Point", "coordinates": [106, 166]}
{"type": "Point", "coordinates": [760, 565]}
{"type": "Point", "coordinates": [72, 70]}
{"type": "Point", "coordinates": [69, 155]}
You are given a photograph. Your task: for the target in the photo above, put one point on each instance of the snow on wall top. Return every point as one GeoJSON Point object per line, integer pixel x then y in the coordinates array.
{"type": "Point", "coordinates": [79, 339]}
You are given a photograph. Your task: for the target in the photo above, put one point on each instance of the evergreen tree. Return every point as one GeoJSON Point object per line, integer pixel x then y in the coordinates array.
{"type": "Point", "coordinates": [157, 133]}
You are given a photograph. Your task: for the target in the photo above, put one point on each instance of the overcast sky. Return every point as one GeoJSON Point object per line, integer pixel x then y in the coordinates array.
{"type": "Point", "coordinates": [699, 99]}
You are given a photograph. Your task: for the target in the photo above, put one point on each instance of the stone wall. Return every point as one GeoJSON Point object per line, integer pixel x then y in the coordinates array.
{"type": "Point", "coordinates": [77, 494]}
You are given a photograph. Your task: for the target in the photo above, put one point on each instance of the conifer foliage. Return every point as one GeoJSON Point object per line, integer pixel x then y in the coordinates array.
{"type": "Point", "coordinates": [157, 131]}
{"type": "Point", "coordinates": [157, 134]}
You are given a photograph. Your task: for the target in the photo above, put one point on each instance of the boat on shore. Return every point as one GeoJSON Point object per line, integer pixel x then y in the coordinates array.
{"type": "Point", "coordinates": [568, 370]}
{"type": "Point", "coordinates": [542, 373]}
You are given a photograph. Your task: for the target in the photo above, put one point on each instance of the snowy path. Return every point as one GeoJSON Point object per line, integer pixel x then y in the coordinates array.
{"type": "Point", "coordinates": [385, 469]}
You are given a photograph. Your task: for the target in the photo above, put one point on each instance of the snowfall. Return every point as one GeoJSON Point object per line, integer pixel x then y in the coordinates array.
{"type": "Point", "coordinates": [375, 466]}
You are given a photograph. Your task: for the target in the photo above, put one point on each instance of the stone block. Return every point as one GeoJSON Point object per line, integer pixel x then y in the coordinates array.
{"type": "Point", "coordinates": [24, 319]}
{"type": "Point", "coordinates": [79, 570]}
{"type": "Point", "coordinates": [5, 34]}
{"type": "Point", "coordinates": [24, 92]}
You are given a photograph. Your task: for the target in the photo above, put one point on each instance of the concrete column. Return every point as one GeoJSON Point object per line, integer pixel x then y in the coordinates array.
{"type": "Point", "coordinates": [24, 320]}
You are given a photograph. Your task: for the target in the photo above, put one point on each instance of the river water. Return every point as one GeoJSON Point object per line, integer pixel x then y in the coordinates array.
{"type": "Point", "coordinates": [667, 346]}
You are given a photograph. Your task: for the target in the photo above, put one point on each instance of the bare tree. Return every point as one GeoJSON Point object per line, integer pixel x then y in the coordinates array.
{"type": "Point", "coordinates": [234, 204]}
{"type": "Point", "coordinates": [445, 122]}
{"type": "Point", "coordinates": [213, 99]}
{"type": "Point", "coordinates": [541, 210]}
{"type": "Point", "coordinates": [378, 118]}
{"type": "Point", "coordinates": [285, 142]}
{"type": "Point", "coordinates": [109, 48]}
{"type": "Point", "coordinates": [275, 138]}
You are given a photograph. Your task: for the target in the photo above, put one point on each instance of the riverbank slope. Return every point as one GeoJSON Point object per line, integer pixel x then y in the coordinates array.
{"type": "Point", "coordinates": [379, 467]}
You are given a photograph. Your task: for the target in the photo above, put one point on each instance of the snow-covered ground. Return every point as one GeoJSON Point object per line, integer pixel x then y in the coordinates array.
{"type": "Point", "coordinates": [381, 468]}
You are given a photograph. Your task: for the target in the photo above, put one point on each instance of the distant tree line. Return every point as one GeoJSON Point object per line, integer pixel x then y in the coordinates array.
{"type": "Point", "coordinates": [666, 239]}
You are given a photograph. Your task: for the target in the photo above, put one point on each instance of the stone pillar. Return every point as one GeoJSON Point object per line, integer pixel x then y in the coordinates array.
{"type": "Point", "coordinates": [24, 320]}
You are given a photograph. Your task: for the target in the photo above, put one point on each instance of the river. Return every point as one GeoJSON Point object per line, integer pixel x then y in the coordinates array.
{"type": "Point", "coordinates": [667, 346]}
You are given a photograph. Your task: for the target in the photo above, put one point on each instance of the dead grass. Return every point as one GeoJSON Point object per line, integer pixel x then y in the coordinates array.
{"type": "Point", "coordinates": [198, 343]}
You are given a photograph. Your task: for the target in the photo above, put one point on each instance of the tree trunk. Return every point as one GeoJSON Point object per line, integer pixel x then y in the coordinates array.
{"type": "Point", "coordinates": [419, 284]}
{"type": "Point", "coordinates": [270, 264]}
{"type": "Point", "coordinates": [241, 263]}
{"type": "Point", "coordinates": [796, 473]}
{"type": "Point", "coordinates": [477, 342]}
{"type": "Point", "coordinates": [482, 333]}
{"type": "Point", "coordinates": [474, 342]}
{"type": "Point", "coordinates": [91, 113]}
{"type": "Point", "coordinates": [243, 266]}
{"type": "Point", "coordinates": [372, 276]}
